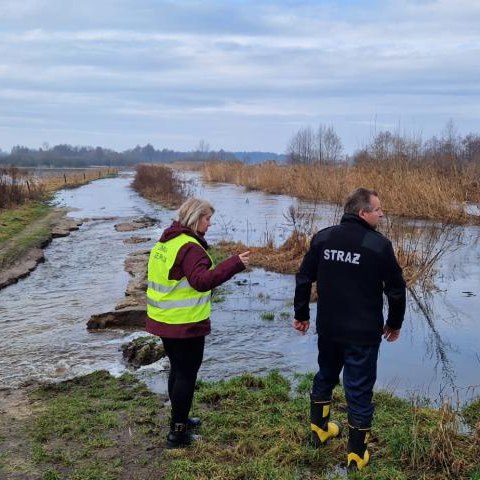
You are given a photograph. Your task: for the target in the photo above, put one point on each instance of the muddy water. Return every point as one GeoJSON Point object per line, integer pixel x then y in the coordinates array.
{"type": "Point", "coordinates": [43, 317]}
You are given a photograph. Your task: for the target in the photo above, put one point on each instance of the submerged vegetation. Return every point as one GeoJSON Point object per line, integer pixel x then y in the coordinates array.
{"type": "Point", "coordinates": [100, 427]}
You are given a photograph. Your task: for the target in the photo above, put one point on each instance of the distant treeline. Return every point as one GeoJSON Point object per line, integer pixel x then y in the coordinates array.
{"type": "Point", "coordinates": [75, 156]}
{"type": "Point", "coordinates": [322, 146]}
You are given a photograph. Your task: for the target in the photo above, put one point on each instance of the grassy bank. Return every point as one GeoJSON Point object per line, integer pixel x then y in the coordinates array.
{"type": "Point", "coordinates": [412, 191]}
{"type": "Point", "coordinates": [24, 228]}
{"type": "Point", "coordinates": [27, 223]}
{"type": "Point", "coordinates": [98, 427]}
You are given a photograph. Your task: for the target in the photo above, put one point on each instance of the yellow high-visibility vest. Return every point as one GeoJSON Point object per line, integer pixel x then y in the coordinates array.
{"type": "Point", "coordinates": [174, 301]}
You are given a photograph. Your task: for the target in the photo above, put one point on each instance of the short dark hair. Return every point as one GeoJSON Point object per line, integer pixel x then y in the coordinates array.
{"type": "Point", "coordinates": [358, 200]}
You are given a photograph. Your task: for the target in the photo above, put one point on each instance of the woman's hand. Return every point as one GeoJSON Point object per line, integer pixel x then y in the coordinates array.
{"type": "Point", "coordinates": [245, 258]}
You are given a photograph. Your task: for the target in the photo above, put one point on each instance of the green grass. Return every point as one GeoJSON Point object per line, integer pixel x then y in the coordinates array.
{"type": "Point", "coordinates": [219, 294]}
{"type": "Point", "coordinates": [83, 421]}
{"type": "Point", "coordinates": [471, 413]}
{"type": "Point", "coordinates": [26, 226]}
{"type": "Point", "coordinates": [217, 255]}
{"type": "Point", "coordinates": [13, 221]}
{"type": "Point", "coordinates": [22, 229]}
{"type": "Point", "coordinates": [255, 428]}
{"type": "Point", "coordinates": [267, 316]}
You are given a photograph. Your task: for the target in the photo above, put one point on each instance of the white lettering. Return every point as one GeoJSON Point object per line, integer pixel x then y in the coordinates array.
{"type": "Point", "coordinates": [341, 256]}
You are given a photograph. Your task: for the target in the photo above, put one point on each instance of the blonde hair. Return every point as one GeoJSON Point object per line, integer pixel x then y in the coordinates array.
{"type": "Point", "coordinates": [190, 212]}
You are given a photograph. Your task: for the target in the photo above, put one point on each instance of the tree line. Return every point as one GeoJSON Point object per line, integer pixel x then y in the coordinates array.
{"type": "Point", "coordinates": [323, 147]}
{"type": "Point", "coordinates": [65, 155]}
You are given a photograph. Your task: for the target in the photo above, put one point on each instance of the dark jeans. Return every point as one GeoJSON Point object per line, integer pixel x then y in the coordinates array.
{"type": "Point", "coordinates": [359, 363]}
{"type": "Point", "coordinates": [185, 355]}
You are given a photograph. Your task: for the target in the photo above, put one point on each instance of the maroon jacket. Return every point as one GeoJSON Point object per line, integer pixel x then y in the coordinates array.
{"type": "Point", "coordinates": [193, 262]}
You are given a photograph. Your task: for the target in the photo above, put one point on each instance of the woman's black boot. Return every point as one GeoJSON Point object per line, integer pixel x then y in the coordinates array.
{"type": "Point", "coordinates": [194, 423]}
{"type": "Point", "coordinates": [180, 436]}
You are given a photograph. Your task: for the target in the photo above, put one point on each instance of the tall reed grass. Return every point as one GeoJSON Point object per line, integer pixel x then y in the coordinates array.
{"type": "Point", "coordinates": [412, 191]}
{"type": "Point", "coordinates": [160, 184]}
{"type": "Point", "coordinates": [419, 243]}
{"type": "Point", "coordinates": [17, 187]}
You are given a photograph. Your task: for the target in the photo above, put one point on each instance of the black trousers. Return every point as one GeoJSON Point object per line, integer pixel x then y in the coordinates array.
{"type": "Point", "coordinates": [185, 355]}
{"type": "Point", "coordinates": [359, 363]}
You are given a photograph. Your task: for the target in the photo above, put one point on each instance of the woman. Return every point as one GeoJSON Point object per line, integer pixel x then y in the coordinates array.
{"type": "Point", "coordinates": [181, 276]}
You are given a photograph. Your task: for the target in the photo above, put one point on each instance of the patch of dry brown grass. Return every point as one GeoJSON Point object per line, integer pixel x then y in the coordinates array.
{"type": "Point", "coordinates": [418, 247]}
{"type": "Point", "coordinates": [73, 179]}
{"type": "Point", "coordinates": [160, 184]}
{"type": "Point", "coordinates": [188, 166]}
{"type": "Point", "coordinates": [416, 192]}
{"type": "Point", "coordinates": [285, 259]}
{"type": "Point", "coordinates": [17, 187]}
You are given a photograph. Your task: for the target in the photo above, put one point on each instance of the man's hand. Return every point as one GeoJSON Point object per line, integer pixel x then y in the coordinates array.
{"type": "Point", "coordinates": [302, 327]}
{"type": "Point", "coordinates": [389, 334]}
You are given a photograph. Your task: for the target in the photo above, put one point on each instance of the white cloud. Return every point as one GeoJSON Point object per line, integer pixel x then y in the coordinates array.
{"type": "Point", "coordinates": [215, 63]}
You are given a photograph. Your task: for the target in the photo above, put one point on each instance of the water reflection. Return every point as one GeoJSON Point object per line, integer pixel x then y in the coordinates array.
{"type": "Point", "coordinates": [437, 348]}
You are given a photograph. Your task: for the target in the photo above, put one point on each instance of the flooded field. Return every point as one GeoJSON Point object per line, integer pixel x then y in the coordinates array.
{"type": "Point", "coordinates": [43, 317]}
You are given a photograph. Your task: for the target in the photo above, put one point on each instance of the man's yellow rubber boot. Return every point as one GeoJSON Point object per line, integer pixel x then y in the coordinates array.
{"type": "Point", "coordinates": [358, 455]}
{"type": "Point", "coordinates": [322, 429]}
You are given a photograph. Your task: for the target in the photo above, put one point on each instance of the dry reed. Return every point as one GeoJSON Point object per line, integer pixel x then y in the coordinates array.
{"type": "Point", "coordinates": [415, 192]}
{"type": "Point", "coordinates": [17, 187]}
{"type": "Point", "coordinates": [160, 184]}
{"type": "Point", "coordinates": [420, 193]}
{"type": "Point", "coordinates": [285, 259]}
{"type": "Point", "coordinates": [440, 454]}
{"type": "Point", "coordinates": [73, 179]}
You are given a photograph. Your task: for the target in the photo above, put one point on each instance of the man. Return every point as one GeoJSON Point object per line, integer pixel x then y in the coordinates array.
{"type": "Point", "coordinates": [353, 266]}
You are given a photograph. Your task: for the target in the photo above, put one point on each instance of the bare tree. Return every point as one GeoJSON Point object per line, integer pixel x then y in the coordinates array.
{"type": "Point", "coordinates": [202, 151]}
{"type": "Point", "coordinates": [301, 148]}
{"type": "Point", "coordinates": [329, 145]}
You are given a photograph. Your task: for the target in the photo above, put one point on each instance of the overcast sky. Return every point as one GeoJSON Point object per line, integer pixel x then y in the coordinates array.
{"type": "Point", "coordinates": [238, 74]}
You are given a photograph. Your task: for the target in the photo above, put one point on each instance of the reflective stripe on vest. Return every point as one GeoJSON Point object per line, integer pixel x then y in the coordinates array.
{"type": "Point", "coordinates": [173, 301]}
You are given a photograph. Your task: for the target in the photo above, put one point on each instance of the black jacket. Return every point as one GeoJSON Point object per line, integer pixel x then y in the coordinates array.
{"type": "Point", "coordinates": [353, 266]}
